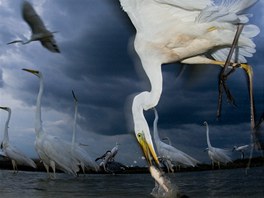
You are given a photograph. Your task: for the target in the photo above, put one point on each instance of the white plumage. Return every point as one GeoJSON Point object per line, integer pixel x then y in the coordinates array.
{"type": "Point", "coordinates": [169, 153]}
{"type": "Point", "coordinates": [217, 155]}
{"type": "Point", "coordinates": [78, 152]}
{"type": "Point", "coordinates": [16, 156]}
{"type": "Point", "coordinates": [53, 151]}
{"type": "Point", "coordinates": [190, 32]}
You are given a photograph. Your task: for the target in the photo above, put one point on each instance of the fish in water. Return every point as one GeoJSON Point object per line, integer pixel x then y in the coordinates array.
{"type": "Point", "coordinates": [157, 175]}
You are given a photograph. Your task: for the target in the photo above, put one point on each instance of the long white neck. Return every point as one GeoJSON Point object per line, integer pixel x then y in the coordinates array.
{"type": "Point", "coordinates": [140, 123]}
{"type": "Point", "coordinates": [207, 135]}
{"type": "Point", "coordinates": [74, 123]}
{"type": "Point", "coordinates": [38, 121]}
{"type": "Point", "coordinates": [6, 138]}
{"type": "Point", "coordinates": [155, 127]}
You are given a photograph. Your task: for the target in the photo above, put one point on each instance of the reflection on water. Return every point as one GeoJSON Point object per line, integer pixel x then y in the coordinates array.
{"type": "Point", "coordinates": [222, 183]}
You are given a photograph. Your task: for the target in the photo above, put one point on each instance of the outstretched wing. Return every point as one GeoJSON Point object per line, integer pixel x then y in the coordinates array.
{"type": "Point", "coordinates": [32, 18]}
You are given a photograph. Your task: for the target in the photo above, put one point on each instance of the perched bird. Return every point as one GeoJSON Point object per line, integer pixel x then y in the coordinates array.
{"type": "Point", "coordinates": [39, 31]}
{"type": "Point", "coordinates": [16, 156]}
{"type": "Point", "coordinates": [78, 152]}
{"type": "Point", "coordinates": [217, 155]}
{"type": "Point", "coordinates": [169, 153]}
{"type": "Point", "coordinates": [53, 151]}
{"type": "Point", "coordinates": [241, 149]}
{"type": "Point", "coordinates": [190, 32]}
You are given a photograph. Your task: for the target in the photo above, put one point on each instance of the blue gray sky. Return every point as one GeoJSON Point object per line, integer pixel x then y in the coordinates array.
{"type": "Point", "coordinates": [97, 61]}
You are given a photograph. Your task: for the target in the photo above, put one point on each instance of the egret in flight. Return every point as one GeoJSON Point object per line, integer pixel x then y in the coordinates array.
{"type": "Point", "coordinates": [38, 29]}
{"type": "Point", "coordinates": [189, 32]}
{"type": "Point", "coordinates": [16, 156]}
{"type": "Point", "coordinates": [217, 155]}
{"type": "Point", "coordinates": [78, 152]}
{"type": "Point", "coordinates": [53, 151]}
{"type": "Point", "coordinates": [169, 153]}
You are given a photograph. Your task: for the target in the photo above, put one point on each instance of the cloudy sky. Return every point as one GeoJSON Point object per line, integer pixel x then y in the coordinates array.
{"type": "Point", "coordinates": [97, 61]}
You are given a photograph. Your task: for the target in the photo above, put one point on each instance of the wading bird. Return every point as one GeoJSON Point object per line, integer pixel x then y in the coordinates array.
{"type": "Point", "coordinates": [16, 156]}
{"type": "Point", "coordinates": [169, 153]}
{"type": "Point", "coordinates": [39, 31]}
{"type": "Point", "coordinates": [53, 151]}
{"type": "Point", "coordinates": [217, 155]}
{"type": "Point", "coordinates": [77, 151]}
{"type": "Point", "coordinates": [241, 149]}
{"type": "Point", "coordinates": [190, 32]}
{"type": "Point", "coordinates": [108, 157]}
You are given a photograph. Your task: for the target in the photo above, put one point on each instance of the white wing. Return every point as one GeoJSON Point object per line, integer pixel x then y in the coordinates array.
{"type": "Point", "coordinates": [58, 151]}
{"type": "Point", "coordinates": [14, 154]}
{"type": "Point", "coordinates": [32, 18]}
{"type": "Point", "coordinates": [174, 155]}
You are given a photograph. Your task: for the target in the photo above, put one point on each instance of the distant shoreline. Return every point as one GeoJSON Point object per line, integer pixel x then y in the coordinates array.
{"type": "Point", "coordinates": [6, 164]}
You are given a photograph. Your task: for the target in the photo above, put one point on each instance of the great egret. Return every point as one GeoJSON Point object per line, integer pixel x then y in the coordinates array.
{"type": "Point", "coordinates": [217, 155]}
{"type": "Point", "coordinates": [169, 153]}
{"type": "Point", "coordinates": [16, 156]}
{"type": "Point", "coordinates": [39, 31]}
{"type": "Point", "coordinates": [190, 32]}
{"type": "Point", "coordinates": [77, 151]}
{"type": "Point", "coordinates": [241, 149]}
{"type": "Point", "coordinates": [53, 151]}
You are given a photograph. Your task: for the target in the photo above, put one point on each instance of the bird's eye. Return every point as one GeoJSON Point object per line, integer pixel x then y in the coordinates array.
{"type": "Point", "coordinates": [139, 135]}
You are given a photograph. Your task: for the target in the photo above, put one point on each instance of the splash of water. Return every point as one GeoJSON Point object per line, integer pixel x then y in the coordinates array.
{"type": "Point", "coordinates": [163, 186]}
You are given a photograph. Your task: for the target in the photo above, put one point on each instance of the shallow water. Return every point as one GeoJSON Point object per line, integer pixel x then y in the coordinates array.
{"type": "Point", "coordinates": [220, 183]}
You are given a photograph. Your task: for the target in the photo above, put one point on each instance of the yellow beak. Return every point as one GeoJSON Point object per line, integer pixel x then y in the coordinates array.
{"type": "Point", "coordinates": [148, 150]}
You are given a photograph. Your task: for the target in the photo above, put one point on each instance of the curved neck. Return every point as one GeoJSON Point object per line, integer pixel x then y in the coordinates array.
{"type": "Point", "coordinates": [155, 127]}
{"type": "Point", "coordinates": [74, 123]}
{"type": "Point", "coordinates": [207, 135]}
{"type": "Point", "coordinates": [6, 137]}
{"type": "Point", "coordinates": [38, 121]}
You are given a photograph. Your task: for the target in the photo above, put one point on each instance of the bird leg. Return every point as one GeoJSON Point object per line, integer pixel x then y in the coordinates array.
{"type": "Point", "coordinates": [223, 76]}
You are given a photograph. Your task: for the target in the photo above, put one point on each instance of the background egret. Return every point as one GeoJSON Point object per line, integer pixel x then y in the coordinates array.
{"type": "Point", "coordinates": [81, 155]}
{"type": "Point", "coordinates": [169, 153]}
{"type": "Point", "coordinates": [39, 31]}
{"type": "Point", "coordinates": [16, 156]}
{"type": "Point", "coordinates": [53, 151]}
{"type": "Point", "coordinates": [217, 155]}
{"type": "Point", "coordinates": [241, 149]}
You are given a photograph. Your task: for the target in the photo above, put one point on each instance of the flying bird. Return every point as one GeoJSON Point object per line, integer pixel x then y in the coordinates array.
{"type": "Point", "coordinates": [189, 32]}
{"type": "Point", "coordinates": [81, 155]}
{"type": "Point", "coordinates": [38, 29]}
{"type": "Point", "coordinates": [169, 153]}
{"type": "Point", "coordinates": [16, 156]}
{"type": "Point", "coordinates": [217, 155]}
{"type": "Point", "coordinates": [241, 149]}
{"type": "Point", "coordinates": [53, 151]}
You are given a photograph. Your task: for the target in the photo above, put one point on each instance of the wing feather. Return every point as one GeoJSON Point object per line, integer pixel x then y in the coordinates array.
{"type": "Point", "coordinates": [32, 18]}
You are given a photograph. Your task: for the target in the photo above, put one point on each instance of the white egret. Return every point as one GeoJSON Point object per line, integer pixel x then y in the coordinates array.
{"type": "Point", "coordinates": [190, 32]}
{"type": "Point", "coordinates": [39, 31]}
{"type": "Point", "coordinates": [53, 151]}
{"type": "Point", "coordinates": [77, 151]}
{"type": "Point", "coordinates": [241, 149]}
{"type": "Point", "coordinates": [217, 155]}
{"type": "Point", "coordinates": [169, 153]}
{"type": "Point", "coordinates": [16, 156]}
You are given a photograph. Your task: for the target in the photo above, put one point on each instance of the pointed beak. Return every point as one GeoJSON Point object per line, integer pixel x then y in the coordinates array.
{"type": "Point", "coordinates": [31, 71]}
{"type": "Point", "coordinates": [148, 151]}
